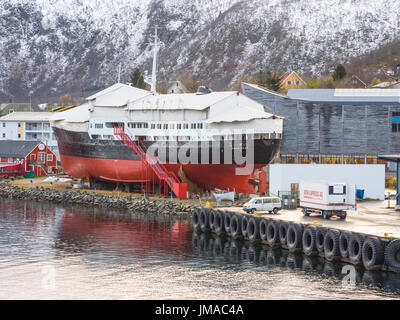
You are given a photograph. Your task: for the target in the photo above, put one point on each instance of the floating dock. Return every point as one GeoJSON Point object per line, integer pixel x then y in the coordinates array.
{"type": "Point", "coordinates": [369, 237]}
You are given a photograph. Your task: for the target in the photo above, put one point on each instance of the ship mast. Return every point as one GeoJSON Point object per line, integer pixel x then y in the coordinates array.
{"type": "Point", "coordinates": [154, 71]}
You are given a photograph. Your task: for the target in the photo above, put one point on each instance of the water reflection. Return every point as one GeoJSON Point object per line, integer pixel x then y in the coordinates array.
{"type": "Point", "coordinates": [263, 256]}
{"type": "Point", "coordinates": [105, 254]}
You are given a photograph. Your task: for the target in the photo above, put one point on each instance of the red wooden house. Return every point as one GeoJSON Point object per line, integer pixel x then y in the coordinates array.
{"type": "Point", "coordinates": [356, 82]}
{"type": "Point", "coordinates": [18, 156]}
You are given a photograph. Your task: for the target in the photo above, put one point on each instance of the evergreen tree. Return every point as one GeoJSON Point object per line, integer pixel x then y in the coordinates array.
{"type": "Point", "coordinates": [340, 72]}
{"type": "Point", "coordinates": [260, 78]}
{"type": "Point", "coordinates": [137, 80]}
{"type": "Point", "coordinates": [193, 85]}
{"type": "Point", "coordinates": [270, 80]}
{"type": "Point", "coordinates": [273, 81]}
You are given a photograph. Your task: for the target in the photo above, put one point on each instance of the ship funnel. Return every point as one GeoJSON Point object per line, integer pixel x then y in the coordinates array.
{"type": "Point", "coordinates": [203, 90]}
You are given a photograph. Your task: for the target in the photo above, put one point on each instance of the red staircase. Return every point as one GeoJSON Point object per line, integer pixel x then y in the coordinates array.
{"type": "Point", "coordinates": [169, 177]}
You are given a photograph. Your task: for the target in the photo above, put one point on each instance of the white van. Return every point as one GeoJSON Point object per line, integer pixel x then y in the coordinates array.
{"type": "Point", "coordinates": [271, 204]}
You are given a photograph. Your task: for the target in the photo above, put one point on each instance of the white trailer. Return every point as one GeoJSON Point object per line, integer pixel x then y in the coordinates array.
{"type": "Point", "coordinates": [327, 198]}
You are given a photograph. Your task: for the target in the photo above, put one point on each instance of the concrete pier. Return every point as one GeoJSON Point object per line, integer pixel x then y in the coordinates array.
{"type": "Point", "coordinates": [372, 218]}
{"type": "Point", "coordinates": [370, 235]}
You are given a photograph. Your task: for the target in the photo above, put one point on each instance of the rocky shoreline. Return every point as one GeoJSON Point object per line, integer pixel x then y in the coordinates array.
{"type": "Point", "coordinates": [92, 199]}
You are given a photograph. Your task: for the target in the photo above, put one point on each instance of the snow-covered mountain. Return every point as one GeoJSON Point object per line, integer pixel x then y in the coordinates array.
{"type": "Point", "coordinates": [58, 46]}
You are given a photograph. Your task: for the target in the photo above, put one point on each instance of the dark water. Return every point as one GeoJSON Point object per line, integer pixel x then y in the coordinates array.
{"type": "Point", "coordinates": [52, 252]}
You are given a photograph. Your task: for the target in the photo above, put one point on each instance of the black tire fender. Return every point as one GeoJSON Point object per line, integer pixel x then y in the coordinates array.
{"type": "Point", "coordinates": [245, 223]}
{"type": "Point", "coordinates": [196, 219]}
{"type": "Point", "coordinates": [219, 226]}
{"type": "Point", "coordinates": [309, 240]}
{"type": "Point", "coordinates": [392, 255]}
{"type": "Point", "coordinates": [273, 232]}
{"type": "Point", "coordinates": [253, 232]}
{"type": "Point", "coordinates": [263, 229]}
{"type": "Point", "coordinates": [331, 245]}
{"type": "Point", "coordinates": [211, 218]}
{"type": "Point", "coordinates": [283, 227]}
{"type": "Point", "coordinates": [319, 239]}
{"type": "Point", "coordinates": [236, 226]}
{"type": "Point", "coordinates": [344, 241]}
{"type": "Point", "coordinates": [373, 253]}
{"type": "Point", "coordinates": [204, 220]}
{"type": "Point", "coordinates": [355, 248]}
{"type": "Point", "coordinates": [227, 221]}
{"type": "Point", "coordinates": [294, 236]}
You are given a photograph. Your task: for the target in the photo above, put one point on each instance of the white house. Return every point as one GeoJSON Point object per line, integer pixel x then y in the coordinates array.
{"type": "Point", "coordinates": [28, 126]}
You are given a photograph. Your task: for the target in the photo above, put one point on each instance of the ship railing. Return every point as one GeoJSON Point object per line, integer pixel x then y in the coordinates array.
{"type": "Point", "coordinates": [160, 170]}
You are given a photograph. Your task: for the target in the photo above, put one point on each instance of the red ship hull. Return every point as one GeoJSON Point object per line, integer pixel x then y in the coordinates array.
{"type": "Point", "coordinates": [208, 176]}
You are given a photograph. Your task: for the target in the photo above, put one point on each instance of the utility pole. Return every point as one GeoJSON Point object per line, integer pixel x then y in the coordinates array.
{"type": "Point", "coordinates": [119, 73]}
{"type": "Point", "coordinates": [154, 71]}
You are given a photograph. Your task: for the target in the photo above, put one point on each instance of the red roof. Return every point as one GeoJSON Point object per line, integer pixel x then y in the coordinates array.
{"type": "Point", "coordinates": [285, 75]}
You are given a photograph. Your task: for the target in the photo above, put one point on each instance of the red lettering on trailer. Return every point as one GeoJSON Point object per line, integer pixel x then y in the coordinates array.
{"type": "Point", "coordinates": [311, 194]}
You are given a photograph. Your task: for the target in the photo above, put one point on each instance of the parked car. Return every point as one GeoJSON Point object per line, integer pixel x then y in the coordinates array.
{"type": "Point", "coordinates": [270, 204]}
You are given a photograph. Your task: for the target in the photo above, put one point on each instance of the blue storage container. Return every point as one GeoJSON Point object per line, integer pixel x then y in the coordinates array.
{"type": "Point", "coordinates": [360, 193]}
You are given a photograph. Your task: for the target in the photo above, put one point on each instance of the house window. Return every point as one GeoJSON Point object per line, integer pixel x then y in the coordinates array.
{"type": "Point", "coordinates": [19, 124]}
{"type": "Point", "coordinates": [49, 157]}
{"type": "Point", "coordinates": [98, 126]}
{"type": "Point", "coordinates": [298, 83]}
{"type": "Point", "coordinates": [159, 126]}
{"type": "Point", "coordinates": [19, 136]}
{"type": "Point", "coordinates": [289, 83]}
{"type": "Point", "coordinates": [4, 135]}
{"type": "Point", "coordinates": [185, 126]}
{"type": "Point", "coordinates": [41, 157]}
{"type": "Point", "coordinates": [4, 124]}
{"type": "Point", "coordinates": [179, 126]}
{"type": "Point", "coordinates": [153, 126]}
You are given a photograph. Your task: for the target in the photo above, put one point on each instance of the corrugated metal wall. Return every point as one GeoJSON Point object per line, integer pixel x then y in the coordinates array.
{"type": "Point", "coordinates": [332, 129]}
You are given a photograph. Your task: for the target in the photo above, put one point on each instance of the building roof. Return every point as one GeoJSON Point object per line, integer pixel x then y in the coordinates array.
{"type": "Point", "coordinates": [15, 105]}
{"type": "Point", "coordinates": [179, 101]}
{"type": "Point", "coordinates": [240, 113]}
{"type": "Point", "coordinates": [386, 84]}
{"type": "Point", "coordinates": [117, 95]}
{"type": "Point", "coordinates": [77, 114]}
{"type": "Point", "coordinates": [347, 96]}
{"type": "Point", "coordinates": [256, 86]}
{"type": "Point", "coordinates": [27, 116]}
{"type": "Point", "coordinates": [390, 157]}
{"type": "Point", "coordinates": [16, 148]}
